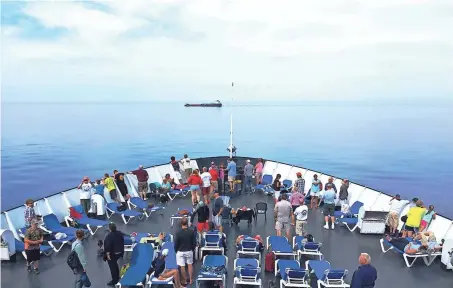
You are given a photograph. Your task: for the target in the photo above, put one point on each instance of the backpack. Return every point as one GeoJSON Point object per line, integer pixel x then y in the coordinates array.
{"type": "Point", "coordinates": [269, 262]}
{"type": "Point", "coordinates": [73, 260]}
{"type": "Point", "coordinates": [309, 238]}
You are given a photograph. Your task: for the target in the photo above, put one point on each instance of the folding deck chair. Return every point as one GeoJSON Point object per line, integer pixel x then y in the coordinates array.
{"type": "Point", "coordinates": [287, 185]}
{"type": "Point", "coordinates": [62, 241]}
{"type": "Point", "coordinates": [213, 261]}
{"type": "Point", "coordinates": [178, 192]}
{"type": "Point", "coordinates": [92, 225]}
{"type": "Point", "coordinates": [249, 247]}
{"type": "Point", "coordinates": [354, 210]}
{"type": "Point", "coordinates": [291, 274]}
{"type": "Point", "coordinates": [170, 263]}
{"type": "Point", "coordinates": [112, 208]}
{"type": "Point", "coordinates": [279, 246]}
{"type": "Point", "coordinates": [326, 276]}
{"type": "Point", "coordinates": [141, 260]}
{"type": "Point", "coordinates": [428, 259]}
{"type": "Point", "coordinates": [266, 183]}
{"type": "Point", "coordinates": [131, 240]}
{"type": "Point", "coordinates": [139, 203]}
{"type": "Point", "coordinates": [247, 272]}
{"type": "Point", "coordinates": [20, 248]}
{"type": "Point", "coordinates": [212, 241]}
{"type": "Point", "coordinates": [227, 216]}
{"type": "Point", "coordinates": [53, 225]}
{"type": "Point", "coordinates": [178, 216]}
{"type": "Point", "coordinates": [308, 248]}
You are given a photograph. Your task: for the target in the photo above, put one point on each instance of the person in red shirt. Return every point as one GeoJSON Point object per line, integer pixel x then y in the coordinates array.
{"type": "Point", "coordinates": [214, 179]}
{"type": "Point", "coordinates": [195, 182]}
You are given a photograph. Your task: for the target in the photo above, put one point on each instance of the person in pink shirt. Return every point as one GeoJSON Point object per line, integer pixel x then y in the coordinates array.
{"type": "Point", "coordinates": [259, 171]}
{"type": "Point", "coordinates": [297, 199]}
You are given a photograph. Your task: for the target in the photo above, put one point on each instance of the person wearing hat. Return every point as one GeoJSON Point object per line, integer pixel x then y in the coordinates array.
{"type": "Point", "coordinates": [85, 194]}
{"type": "Point", "coordinates": [299, 184]}
{"type": "Point", "coordinates": [161, 272]}
{"type": "Point", "coordinates": [33, 239]}
{"type": "Point", "coordinates": [248, 173]}
{"type": "Point", "coordinates": [29, 212]}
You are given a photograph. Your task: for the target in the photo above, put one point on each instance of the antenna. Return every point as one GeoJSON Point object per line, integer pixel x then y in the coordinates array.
{"type": "Point", "coordinates": [231, 149]}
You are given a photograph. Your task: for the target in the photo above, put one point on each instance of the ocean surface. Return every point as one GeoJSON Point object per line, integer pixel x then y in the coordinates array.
{"type": "Point", "coordinates": [47, 148]}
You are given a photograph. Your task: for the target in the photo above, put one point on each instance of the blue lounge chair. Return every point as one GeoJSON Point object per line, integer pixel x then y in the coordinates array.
{"type": "Point", "coordinates": [354, 210]}
{"type": "Point", "coordinates": [139, 203]}
{"type": "Point", "coordinates": [178, 192]}
{"type": "Point", "coordinates": [326, 276]}
{"type": "Point", "coordinates": [291, 274]}
{"type": "Point", "coordinates": [130, 241]}
{"type": "Point", "coordinates": [428, 259]}
{"type": "Point", "coordinates": [280, 246]}
{"type": "Point", "coordinates": [112, 208]}
{"type": "Point", "coordinates": [266, 182]}
{"type": "Point", "coordinates": [178, 216]}
{"type": "Point", "coordinates": [307, 248]}
{"type": "Point", "coordinates": [170, 263]}
{"type": "Point", "coordinates": [141, 260]}
{"type": "Point", "coordinates": [212, 241]}
{"type": "Point", "coordinates": [92, 225]}
{"type": "Point", "coordinates": [213, 261]}
{"type": "Point", "coordinates": [247, 272]}
{"type": "Point", "coordinates": [287, 185]}
{"type": "Point", "coordinates": [52, 224]}
{"type": "Point", "coordinates": [249, 247]}
{"type": "Point", "coordinates": [20, 248]}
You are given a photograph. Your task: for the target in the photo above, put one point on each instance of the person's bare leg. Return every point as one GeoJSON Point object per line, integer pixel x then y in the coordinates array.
{"type": "Point", "coordinates": [190, 270]}
{"type": "Point", "coordinates": [404, 235]}
{"type": "Point", "coordinates": [221, 228]}
{"type": "Point", "coordinates": [279, 232]}
{"type": "Point", "coordinates": [288, 233]}
{"type": "Point", "coordinates": [182, 270]}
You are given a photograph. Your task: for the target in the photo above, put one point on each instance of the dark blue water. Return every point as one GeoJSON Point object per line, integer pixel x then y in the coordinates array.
{"type": "Point", "coordinates": [408, 150]}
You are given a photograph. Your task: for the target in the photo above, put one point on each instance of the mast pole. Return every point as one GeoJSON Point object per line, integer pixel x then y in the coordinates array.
{"type": "Point", "coordinates": [231, 122]}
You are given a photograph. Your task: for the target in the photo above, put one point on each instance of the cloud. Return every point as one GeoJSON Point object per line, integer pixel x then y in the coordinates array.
{"type": "Point", "coordinates": [171, 49]}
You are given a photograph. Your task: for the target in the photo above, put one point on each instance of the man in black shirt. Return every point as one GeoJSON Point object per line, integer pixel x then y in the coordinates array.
{"type": "Point", "coordinates": [217, 209]}
{"type": "Point", "coordinates": [114, 250]}
{"type": "Point", "coordinates": [185, 247]}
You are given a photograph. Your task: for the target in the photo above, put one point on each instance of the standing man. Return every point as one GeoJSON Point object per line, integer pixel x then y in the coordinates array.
{"type": "Point", "coordinates": [344, 194]}
{"type": "Point", "coordinates": [248, 173]}
{"type": "Point", "coordinates": [366, 275]}
{"type": "Point", "coordinates": [85, 194]}
{"type": "Point", "coordinates": [186, 165]}
{"type": "Point", "coordinates": [393, 219]}
{"type": "Point", "coordinates": [206, 186]}
{"type": "Point", "coordinates": [29, 212]}
{"type": "Point", "coordinates": [214, 179]}
{"type": "Point", "coordinates": [142, 177]}
{"type": "Point", "coordinates": [299, 184]}
{"type": "Point", "coordinates": [217, 209]}
{"type": "Point", "coordinates": [316, 187]}
{"type": "Point", "coordinates": [110, 185]}
{"type": "Point", "coordinates": [301, 214]}
{"type": "Point", "coordinates": [78, 248]}
{"type": "Point", "coordinates": [33, 239]}
{"type": "Point", "coordinates": [330, 185]}
{"type": "Point", "coordinates": [284, 216]}
{"type": "Point", "coordinates": [114, 250]}
{"type": "Point", "coordinates": [184, 248]}
{"type": "Point", "coordinates": [231, 168]}
{"type": "Point", "coordinates": [329, 207]}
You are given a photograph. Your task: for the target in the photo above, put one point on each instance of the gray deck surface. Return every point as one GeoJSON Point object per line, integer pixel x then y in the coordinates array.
{"type": "Point", "coordinates": [340, 247]}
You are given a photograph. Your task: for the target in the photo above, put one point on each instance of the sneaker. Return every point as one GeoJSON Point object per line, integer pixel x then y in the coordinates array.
{"type": "Point", "coordinates": [333, 225]}
{"type": "Point", "coordinates": [36, 271]}
{"type": "Point", "coordinates": [326, 226]}
{"type": "Point", "coordinates": [28, 268]}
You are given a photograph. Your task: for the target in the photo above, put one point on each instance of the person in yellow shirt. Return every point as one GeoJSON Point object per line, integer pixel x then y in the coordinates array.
{"type": "Point", "coordinates": [414, 217]}
{"type": "Point", "coordinates": [110, 185]}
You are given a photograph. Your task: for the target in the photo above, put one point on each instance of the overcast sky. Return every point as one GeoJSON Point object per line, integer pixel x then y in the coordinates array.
{"type": "Point", "coordinates": [144, 50]}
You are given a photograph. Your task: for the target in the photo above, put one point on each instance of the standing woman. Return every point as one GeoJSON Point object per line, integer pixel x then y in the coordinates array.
{"type": "Point", "coordinates": [33, 239]}
{"type": "Point", "coordinates": [119, 177]}
{"type": "Point", "coordinates": [277, 184]}
{"type": "Point", "coordinates": [427, 218]}
{"type": "Point", "coordinates": [195, 181]}
{"type": "Point", "coordinates": [259, 171]}
{"type": "Point", "coordinates": [316, 187]}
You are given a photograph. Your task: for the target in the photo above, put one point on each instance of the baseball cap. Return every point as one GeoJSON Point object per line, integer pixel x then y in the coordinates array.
{"type": "Point", "coordinates": [248, 160]}
{"type": "Point", "coordinates": [165, 252]}
{"type": "Point", "coordinates": [299, 174]}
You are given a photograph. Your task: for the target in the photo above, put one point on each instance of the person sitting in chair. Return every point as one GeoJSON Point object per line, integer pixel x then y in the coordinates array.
{"type": "Point", "coordinates": [165, 186]}
{"type": "Point", "coordinates": [160, 272]}
{"type": "Point", "coordinates": [414, 247]}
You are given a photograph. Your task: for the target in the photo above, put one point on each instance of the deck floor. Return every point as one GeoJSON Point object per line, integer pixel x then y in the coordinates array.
{"type": "Point", "coordinates": [340, 247]}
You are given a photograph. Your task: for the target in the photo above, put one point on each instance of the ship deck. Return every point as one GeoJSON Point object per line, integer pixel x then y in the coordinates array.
{"type": "Point", "coordinates": [340, 247]}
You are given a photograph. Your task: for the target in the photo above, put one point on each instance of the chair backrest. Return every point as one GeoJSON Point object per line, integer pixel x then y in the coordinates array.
{"type": "Point", "coordinates": [226, 212]}
{"type": "Point", "coordinates": [287, 183]}
{"type": "Point", "coordinates": [267, 179]}
{"type": "Point", "coordinates": [51, 221]}
{"type": "Point", "coordinates": [261, 207]}
{"type": "Point", "coordinates": [310, 246]}
{"type": "Point", "coordinates": [248, 274]}
{"type": "Point", "coordinates": [249, 245]}
{"type": "Point", "coordinates": [335, 276]}
{"type": "Point", "coordinates": [152, 188]}
{"type": "Point", "coordinates": [212, 239]}
{"type": "Point", "coordinates": [356, 207]}
{"type": "Point", "coordinates": [296, 276]}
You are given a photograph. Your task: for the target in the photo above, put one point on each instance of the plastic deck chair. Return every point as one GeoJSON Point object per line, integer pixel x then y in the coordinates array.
{"type": "Point", "coordinates": [226, 216]}
{"type": "Point", "coordinates": [261, 208]}
{"type": "Point", "coordinates": [153, 190]}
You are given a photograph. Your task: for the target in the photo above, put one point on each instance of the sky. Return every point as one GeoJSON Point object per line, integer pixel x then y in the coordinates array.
{"type": "Point", "coordinates": [166, 50]}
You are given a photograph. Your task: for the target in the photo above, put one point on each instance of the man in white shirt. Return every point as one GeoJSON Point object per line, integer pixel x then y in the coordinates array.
{"type": "Point", "coordinates": [186, 165]}
{"type": "Point", "coordinates": [301, 214]}
{"type": "Point", "coordinates": [85, 194]}
{"type": "Point", "coordinates": [396, 205]}
{"type": "Point", "coordinates": [206, 189]}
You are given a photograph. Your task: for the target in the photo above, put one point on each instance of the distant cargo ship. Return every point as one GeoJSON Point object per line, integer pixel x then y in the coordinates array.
{"type": "Point", "coordinates": [215, 104]}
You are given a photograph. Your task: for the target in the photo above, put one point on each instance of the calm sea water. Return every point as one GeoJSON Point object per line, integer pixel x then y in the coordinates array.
{"type": "Point", "coordinates": [408, 150]}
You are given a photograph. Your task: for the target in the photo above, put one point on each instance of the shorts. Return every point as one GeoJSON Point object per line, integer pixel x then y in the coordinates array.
{"type": "Point", "coordinates": [33, 255]}
{"type": "Point", "coordinates": [409, 228]}
{"type": "Point", "coordinates": [424, 224]}
{"type": "Point", "coordinates": [202, 226]}
{"type": "Point", "coordinates": [217, 220]}
{"type": "Point", "coordinates": [143, 187]}
{"type": "Point", "coordinates": [215, 185]}
{"type": "Point", "coordinates": [231, 178]}
{"type": "Point", "coordinates": [258, 175]}
{"type": "Point", "coordinates": [194, 187]}
{"type": "Point", "coordinates": [294, 207]}
{"type": "Point", "coordinates": [329, 209]}
{"type": "Point", "coordinates": [393, 219]}
{"type": "Point", "coordinates": [184, 257]}
{"type": "Point", "coordinates": [315, 194]}
{"type": "Point", "coordinates": [205, 190]}
{"type": "Point", "coordinates": [300, 227]}
{"type": "Point", "coordinates": [279, 226]}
